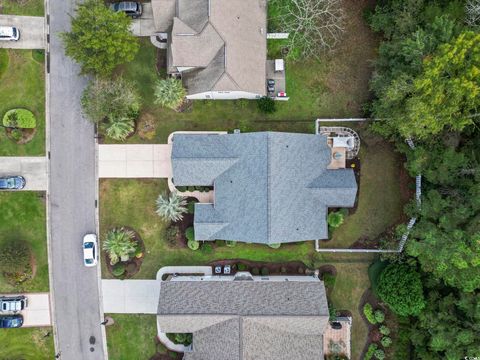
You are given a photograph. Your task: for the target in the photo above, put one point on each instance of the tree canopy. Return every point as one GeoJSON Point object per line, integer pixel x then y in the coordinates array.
{"type": "Point", "coordinates": [100, 39]}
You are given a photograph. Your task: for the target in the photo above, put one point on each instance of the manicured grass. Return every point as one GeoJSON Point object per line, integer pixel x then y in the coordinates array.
{"type": "Point", "coordinates": [22, 217]}
{"type": "Point", "coordinates": [131, 337]}
{"type": "Point", "coordinates": [26, 344]}
{"type": "Point", "coordinates": [23, 86]}
{"type": "Point", "coordinates": [24, 7]}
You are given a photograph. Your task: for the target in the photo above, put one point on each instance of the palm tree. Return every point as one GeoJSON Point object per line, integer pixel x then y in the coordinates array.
{"type": "Point", "coordinates": [120, 128]}
{"type": "Point", "coordinates": [169, 93]}
{"type": "Point", "coordinates": [171, 207]}
{"type": "Point", "coordinates": [119, 244]}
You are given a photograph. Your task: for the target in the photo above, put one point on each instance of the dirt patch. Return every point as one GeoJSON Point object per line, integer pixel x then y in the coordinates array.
{"type": "Point", "coordinates": [132, 266]}
{"type": "Point", "coordinates": [146, 126]}
{"type": "Point", "coordinates": [407, 184]}
{"type": "Point", "coordinates": [327, 269]}
{"type": "Point", "coordinates": [26, 135]}
{"type": "Point", "coordinates": [161, 60]}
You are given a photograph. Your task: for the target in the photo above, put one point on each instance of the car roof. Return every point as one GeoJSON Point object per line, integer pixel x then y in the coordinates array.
{"type": "Point", "coordinates": [127, 5]}
{"type": "Point", "coordinates": [6, 30]}
{"type": "Point", "coordinates": [88, 253]}
{"type": "Point", "coordinates": [90, 238]}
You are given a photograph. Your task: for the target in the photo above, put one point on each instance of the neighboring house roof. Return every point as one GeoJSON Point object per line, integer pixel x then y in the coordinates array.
{"type": "Point", "coordinates": [229, 36]}
{"type": "Point", "coordinates": [232, 320]}
{"type": "Point", "coordinates": [269, 187]}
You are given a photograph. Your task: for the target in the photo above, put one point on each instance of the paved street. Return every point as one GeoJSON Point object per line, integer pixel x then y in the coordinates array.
{"type": "Point", "coordinates": [135, 161]}
{"type": "Point", "coordinates": [33, 169]}
{"type": "Point", "coordinates": [32, 34]}
{"type": "Point", "coordinates": [75, 288]}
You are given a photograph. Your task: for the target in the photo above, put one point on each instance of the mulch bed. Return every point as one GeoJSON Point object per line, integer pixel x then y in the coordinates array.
{"type": "Point", "coordinates": [182, 226]}
{"type": "Point", "coordinates": [161, 60]}
{"type": "Point", "coordinates": [132, 266]}
{"type": "Point", "coordinates": [27, 135]}
{"type": "Point", "coordinates": [327, 269]}
{"type": "Point", "coordinates": [286, 268]}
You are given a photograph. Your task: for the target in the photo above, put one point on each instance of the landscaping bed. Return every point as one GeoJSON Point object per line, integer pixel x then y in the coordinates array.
{"type": "Point", "coordinates": [265, 268]}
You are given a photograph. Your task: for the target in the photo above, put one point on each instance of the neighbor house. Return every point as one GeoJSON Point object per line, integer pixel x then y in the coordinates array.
{"type": "Point", "coordinates": [246, 317]}
{"type": "Point", "coordinates": [218, 47]}
{"type": "Point", "coordinates": [269, 187]}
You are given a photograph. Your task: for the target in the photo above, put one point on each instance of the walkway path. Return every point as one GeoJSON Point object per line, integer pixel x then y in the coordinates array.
{"type": "Point", "coordinates": [135, 161]}
{"type": "Point", "coordinates": [32, 31]}
{"type": "Point", "coordinates": [33, 169]}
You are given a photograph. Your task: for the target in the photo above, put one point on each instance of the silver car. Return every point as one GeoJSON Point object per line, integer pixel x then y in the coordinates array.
{"type": "Point", "coordinates": [13, 303]}
{"type": "Point", "coordinates": [9, 33]}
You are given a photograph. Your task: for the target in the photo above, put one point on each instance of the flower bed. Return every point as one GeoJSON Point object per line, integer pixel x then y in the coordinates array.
{"type": "Point", "coordinates": [20, 125]}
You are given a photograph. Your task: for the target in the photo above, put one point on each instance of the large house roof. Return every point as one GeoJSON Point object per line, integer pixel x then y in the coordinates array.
{"type": "Point", "coordinates": [246, 320]}
{"type": "Point", "coordinates": [201, 28]}
{"type": "Point", "coordinates": [269, 187]}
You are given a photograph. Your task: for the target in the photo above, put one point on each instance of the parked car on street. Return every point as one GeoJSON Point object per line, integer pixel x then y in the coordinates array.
{"type": "Point", "coordinates": [9, 33]}
{"type": "Point", "coordinates": [90, 250]}
{"type": "Point", "coordinates": [11, 321]}
{"type": "Point", "coordinates": [12, 182]}
{"type": "Point", "coordinates": [130, 8]}
{"type": "Point", "coordinates": [13, 303]}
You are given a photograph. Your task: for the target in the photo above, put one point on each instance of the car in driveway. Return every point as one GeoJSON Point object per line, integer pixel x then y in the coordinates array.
{"type": "Point", "coordinates": [13, 303]}
{"type": "Point", "coordinates": [90, 253]}
{"type": "Point", "coordinates": [12, 182]}
{"type": "Point", "coordinates": [9, 33]}
{"type": "Point", "coordinates": [129, 8]}
{"type": "Point", "coordinates": [11, 321]}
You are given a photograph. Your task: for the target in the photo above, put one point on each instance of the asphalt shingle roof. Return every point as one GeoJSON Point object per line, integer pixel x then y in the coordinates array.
{"type": "Point", "coordinates": [269, 187]}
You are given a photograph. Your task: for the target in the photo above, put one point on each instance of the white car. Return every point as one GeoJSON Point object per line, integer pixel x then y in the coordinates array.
{"type": "Point", "coordinates": [9, 33]}
{"type": "Point", "coordinates": [90, 254]}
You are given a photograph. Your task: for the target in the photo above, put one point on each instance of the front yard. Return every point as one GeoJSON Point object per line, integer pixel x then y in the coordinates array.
{"type": "Point", "coordinates": [22, 85]}
{"type": "Point", "coordinates": [27, 343]}
{"type": "Point", "coordinates": [22, 219]}
{"type": "Point", "coordinates": [24, 7]}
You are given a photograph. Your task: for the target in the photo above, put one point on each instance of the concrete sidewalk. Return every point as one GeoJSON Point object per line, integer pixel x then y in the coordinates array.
{"type": "Point", "coordinates": [32, 31]}
{"type": "Point", "coordinates": [33, 169]}
{"type": "Point", "coordinates": [135, 161]}
{"type": "Point", "coordinates": [130, 296]}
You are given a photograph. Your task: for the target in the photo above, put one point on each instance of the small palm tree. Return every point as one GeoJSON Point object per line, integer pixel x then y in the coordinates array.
{"type": "Point", "coordinates": [119, 245]}
{"type": "Point", "coordinates": [169, 93]}
{"type": "Point", "coordinates": [119, 129]}
{"type": "Point", "coordinates": [171, 207]}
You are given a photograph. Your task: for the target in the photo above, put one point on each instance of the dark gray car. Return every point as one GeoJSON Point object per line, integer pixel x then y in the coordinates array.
{"type": "Point", "coordinates": [130, 8]}
{"type": "Point", "coordinates": [12, 182]}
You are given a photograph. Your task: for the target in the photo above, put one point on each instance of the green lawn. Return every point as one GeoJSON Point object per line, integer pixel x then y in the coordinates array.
{"type": "Point", "coordinates": [24, 7]}
{"type": "Point", "coordinates": [131, 337]}
{"type": "Point", "coordinates": [26, 344]}
{"type": "Point", "coordinates": [23, 86]}
{"type": "Point", "coordinates": [22, 217]}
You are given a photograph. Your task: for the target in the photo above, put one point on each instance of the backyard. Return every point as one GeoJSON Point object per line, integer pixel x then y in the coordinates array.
{"type": "Point", "coordinates": [23, 86]}
{"type": "Point", "coordinates": [22, 218]}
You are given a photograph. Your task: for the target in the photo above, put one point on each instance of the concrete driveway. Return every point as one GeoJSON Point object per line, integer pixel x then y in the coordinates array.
{"type": "Point", "coordinates": [144, 25]}
{"type": "Point", "coordinates": [135, 161]}
{"type": "Point", "coordinates": [130, 296]}
{"type": "Point", "coordinates": [32, 31]}
{"type": "Point", "coordinates": [33, 169]}
{"type": "Point", "coordinates": [37, 312]}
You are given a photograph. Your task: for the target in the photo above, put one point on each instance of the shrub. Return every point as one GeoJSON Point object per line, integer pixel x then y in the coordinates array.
{"type": "Point", "coordinates": [181, 188]}
{"type": "Point", "coordinates": [301, 270]}
{"type": "Point", "coordinates": [138, 252]}
{"type": "Point", "coordinates": [329, 280]}
{"type": "Point", "coordinates": [379, 354]}
{"type": "Point", "coordinates": [118, 269]}
{"type": "Point", "coordinates": [15, 261]}
{"type": "Point", "coordinates": [169, 93]}
{"type": "Point", "coordinates": [400, 287]}
{"type": "Point", "coordinates": [171, 207]}
{"type": "Point", "coordinates": [386, 341]}
{"type": "Point", "coordinates": [207, 248]}
{"type": "Point", "coordinates": [118, 128]}
{"type": "Point", "coordinates": [4, 59]}
{"type": "Point", "coordinates": [16, 134]}
{"type": "Point", "coordinates": [242, 267]}
{"type": "Point", "coordinates": [335, 219]}
{"type": "Point", "coordinates": [283, 269]}
{"type": "Point", "coordinates": [264, 271]}
{"type": "Point", "coordinates": [191, 207]}
{"type": "Point", "coordinates": [172, 354]}
{"type": "Point", "coordinates": [220, 243]}
{"type": "Point", "coordinates": [191, 188]}
{"type": "Point", "coordinates": [332, 311]}
{"type": "Point", "coordinates": [193, 245]}
{"type": "Point", "coordinates": [370, 351]}
{"type": "Point", "coordinates": [266, 105]}
{"type": "Point", "coordinates": [182, 338]}
{"type": "Point", "coordinates": [255, 271]}
{"type": "Point", "coordinates": [119, 244]}
{"type": "Point", "coordinates": [368, 312]}
{"type": "Point", "coordinates": [190, 234]}
{"type": "Point", "coordinates": [384, 330]}
{"type": "Point", "coordinates": [19, 118]}
{"type": "Point", "coordinates": [231, 243]}
{"type": "Point", "coordinates": [274, 245]}
{"type": "Point", "coordinates": [379, 316]}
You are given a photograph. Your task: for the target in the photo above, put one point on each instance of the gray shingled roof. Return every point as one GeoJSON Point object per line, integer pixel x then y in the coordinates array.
{"type": "Point", "coordinates": [269, 187]}
{"type": "Point", "coordinates": [240, 320]}
{"type": "Point", "coordinates": [202, 27]}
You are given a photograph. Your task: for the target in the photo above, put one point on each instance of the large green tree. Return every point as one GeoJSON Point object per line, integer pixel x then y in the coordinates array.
{"type": "Point", "coordinates": [100, 39]}
{"type": "Point", "coordinates": [449, 326]}
{"type": "Point", "coordinates": [400, 287]}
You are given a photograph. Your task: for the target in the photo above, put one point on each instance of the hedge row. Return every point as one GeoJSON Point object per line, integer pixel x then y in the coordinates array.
{"type": "Point", "coordinates": [194, 188]}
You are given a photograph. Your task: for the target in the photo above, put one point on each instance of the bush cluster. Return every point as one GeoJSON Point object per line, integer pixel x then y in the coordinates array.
{"type": "Point", "coordinates": [19, 118]}
{"type": "Point", "coordinates": [368, 312]}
